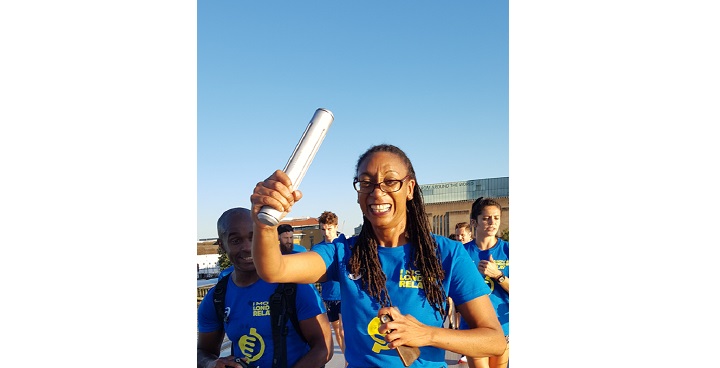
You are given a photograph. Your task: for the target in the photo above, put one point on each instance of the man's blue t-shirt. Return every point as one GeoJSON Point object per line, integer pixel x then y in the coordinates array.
{"type": "Point", "coordinates": [364, 345]}
{"type": "Point", "coordinates": [226, 271]}
{"type": "Point", "coordinates": [249, 326]}
{"type": "Point", "coordinates": [499, 297]}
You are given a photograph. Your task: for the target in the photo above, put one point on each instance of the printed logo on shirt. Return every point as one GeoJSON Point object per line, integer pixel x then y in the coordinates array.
{"type": "Point", "coordinates": [410, 279]}
{"type": "Point", "coordinates": [252, 345]}
{"type": "Point", "coordinates": [372, 329]}
{"type": "Point", "coordinates": [490, 283]}
{"type": "Point", "coordinates": [261, 309]}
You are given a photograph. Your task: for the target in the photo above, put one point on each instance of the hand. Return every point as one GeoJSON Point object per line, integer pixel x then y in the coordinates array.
{"type": "Point", "coordinates": [402, 330]}
{"type": "Point", "coordinates": [276, 192]}
{"type": "Point", "coordinates": [489, 268]}
{"type": "Point", "coordinates": [230, 361]}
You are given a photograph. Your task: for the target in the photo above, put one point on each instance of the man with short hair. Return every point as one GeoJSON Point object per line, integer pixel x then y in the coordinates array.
{"type": "Point", "coordinates": [463, 232]}
{"type": "Point", "coordinates": [247, 319]}
{"type": "Point", "coordinates": [328, 222]}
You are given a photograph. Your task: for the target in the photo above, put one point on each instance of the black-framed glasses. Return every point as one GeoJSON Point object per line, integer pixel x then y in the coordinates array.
{"type": "Point", "coordinates": [387, 186]}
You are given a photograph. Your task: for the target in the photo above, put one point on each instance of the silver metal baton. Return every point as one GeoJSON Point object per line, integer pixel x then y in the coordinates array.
{"type": "Point", "coordinates": [301, 158]}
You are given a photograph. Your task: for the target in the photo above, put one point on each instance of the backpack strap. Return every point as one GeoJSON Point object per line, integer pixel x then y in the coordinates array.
{"type": "Point", "coordinates": [219, 303]}
{"type": "Point", "coordinates": [282, 308]}
{"type": "Point", "coordinates": [278, 304]}
{"type": "Point", "coordinates": [219, 298]}
{"type": "Point", "coordinates": [291, 308]}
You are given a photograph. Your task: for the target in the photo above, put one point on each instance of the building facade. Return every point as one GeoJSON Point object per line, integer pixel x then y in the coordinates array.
{"type": "Point", "coordinates": [450, 203]}
{"type": "Point", "coordinates": [306, 231]}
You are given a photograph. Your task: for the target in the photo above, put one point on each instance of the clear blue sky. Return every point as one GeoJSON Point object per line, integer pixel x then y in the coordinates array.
{"type": "Point", "coordinates": [430, 77]}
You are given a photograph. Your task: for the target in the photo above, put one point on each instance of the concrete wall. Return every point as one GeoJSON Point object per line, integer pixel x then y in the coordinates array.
{"type": "Point", "coordinates": [444, 216]}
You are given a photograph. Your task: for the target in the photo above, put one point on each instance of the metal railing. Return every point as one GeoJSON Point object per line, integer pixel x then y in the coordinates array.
{"type": "Point", "coordinates": [202, 291]}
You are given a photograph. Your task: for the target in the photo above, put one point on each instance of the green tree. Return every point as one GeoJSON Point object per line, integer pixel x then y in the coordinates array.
{"type": "Point", "coordinates": [506, 235]}
{"type": "Point", "coordinates": [223, 261]}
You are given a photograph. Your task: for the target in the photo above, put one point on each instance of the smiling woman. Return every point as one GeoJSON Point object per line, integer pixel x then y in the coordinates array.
{"type": "Point", "coordinates": [395, 267]}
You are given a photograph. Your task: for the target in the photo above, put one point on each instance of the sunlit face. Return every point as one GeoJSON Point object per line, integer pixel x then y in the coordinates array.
{"type": "Point", "coordinates": [385, 209]}
{"type": "Point", "coordinates": [488, 222]}
{"type": "Point", "coordinates": [237, 242]}
{"type": "Point", "coordinates": [286, 242]}
{"type": "Point", "coordinates": [329, 232]}
{"type": "Point", "coordinates": [463, 234]}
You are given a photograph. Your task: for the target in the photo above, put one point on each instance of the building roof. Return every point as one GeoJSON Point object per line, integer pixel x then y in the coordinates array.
{"type": "Point", "coordinates": [301, 222]}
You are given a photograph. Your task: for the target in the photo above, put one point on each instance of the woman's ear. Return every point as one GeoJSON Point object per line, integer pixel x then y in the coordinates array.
{"type": "Point", "coordinates": [411, 190]}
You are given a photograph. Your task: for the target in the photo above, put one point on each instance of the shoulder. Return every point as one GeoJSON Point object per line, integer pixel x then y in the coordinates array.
{"type": "Point", "coordinates": [226, 271]}
{"type": "Point", "coordinates": [448, 247]}
{"type": "Point", "coordinates": [471, 245]}
{"type": "Point", "coordinates": [503, 244]}
{"type": "Point", "coordinates": [305, 286]}
{"type": "Point", "coordinates": [446, 243]}
{"type": "Point", "coordinates": [222, 284]}
{"type": "Point", "coordinates": [308, 299]}
{"type": "Point", "coordinates": [320, 244]}
{"type": "Point", "coordinates": [342, 239]}
{"type": "Point", "coordinates": [306, 290]}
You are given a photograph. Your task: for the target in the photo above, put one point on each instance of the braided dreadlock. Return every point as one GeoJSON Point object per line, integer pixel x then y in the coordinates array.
{"type": "Point", "coordinates": [366, 262]}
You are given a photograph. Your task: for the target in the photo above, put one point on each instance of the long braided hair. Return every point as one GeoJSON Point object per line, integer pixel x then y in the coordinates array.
{"type": "Point", "coordinates": [366, 262]}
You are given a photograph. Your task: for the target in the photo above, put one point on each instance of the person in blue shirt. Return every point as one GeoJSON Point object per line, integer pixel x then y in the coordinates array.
{"type": "Point", "coordinates": [396, 266]}
{"type": "Point", "coordinates": [247, 313]}
{"type": "Point", "coordinates": [287, 244]}
{"type": "Point", "coordinates": [491, 254]}
{"type": "Point", "coordinates": [328, 222]}
{"type": "Point", "coordinates": [463, 234]}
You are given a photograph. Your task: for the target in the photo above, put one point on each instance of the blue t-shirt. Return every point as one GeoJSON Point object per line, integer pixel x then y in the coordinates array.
{"type": "Point", "coordinates": [226, 271]}
{"type": "Point", "coordinates": [499, 297]}
{"type": "Point", "coordinates": [364, 346]}
{"type": "Point", "coordinates": [330, 289]}
{"type": "Point", "coordinates": [297, 248]}
{"type": "Point", "coordinates": [248, 325]}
